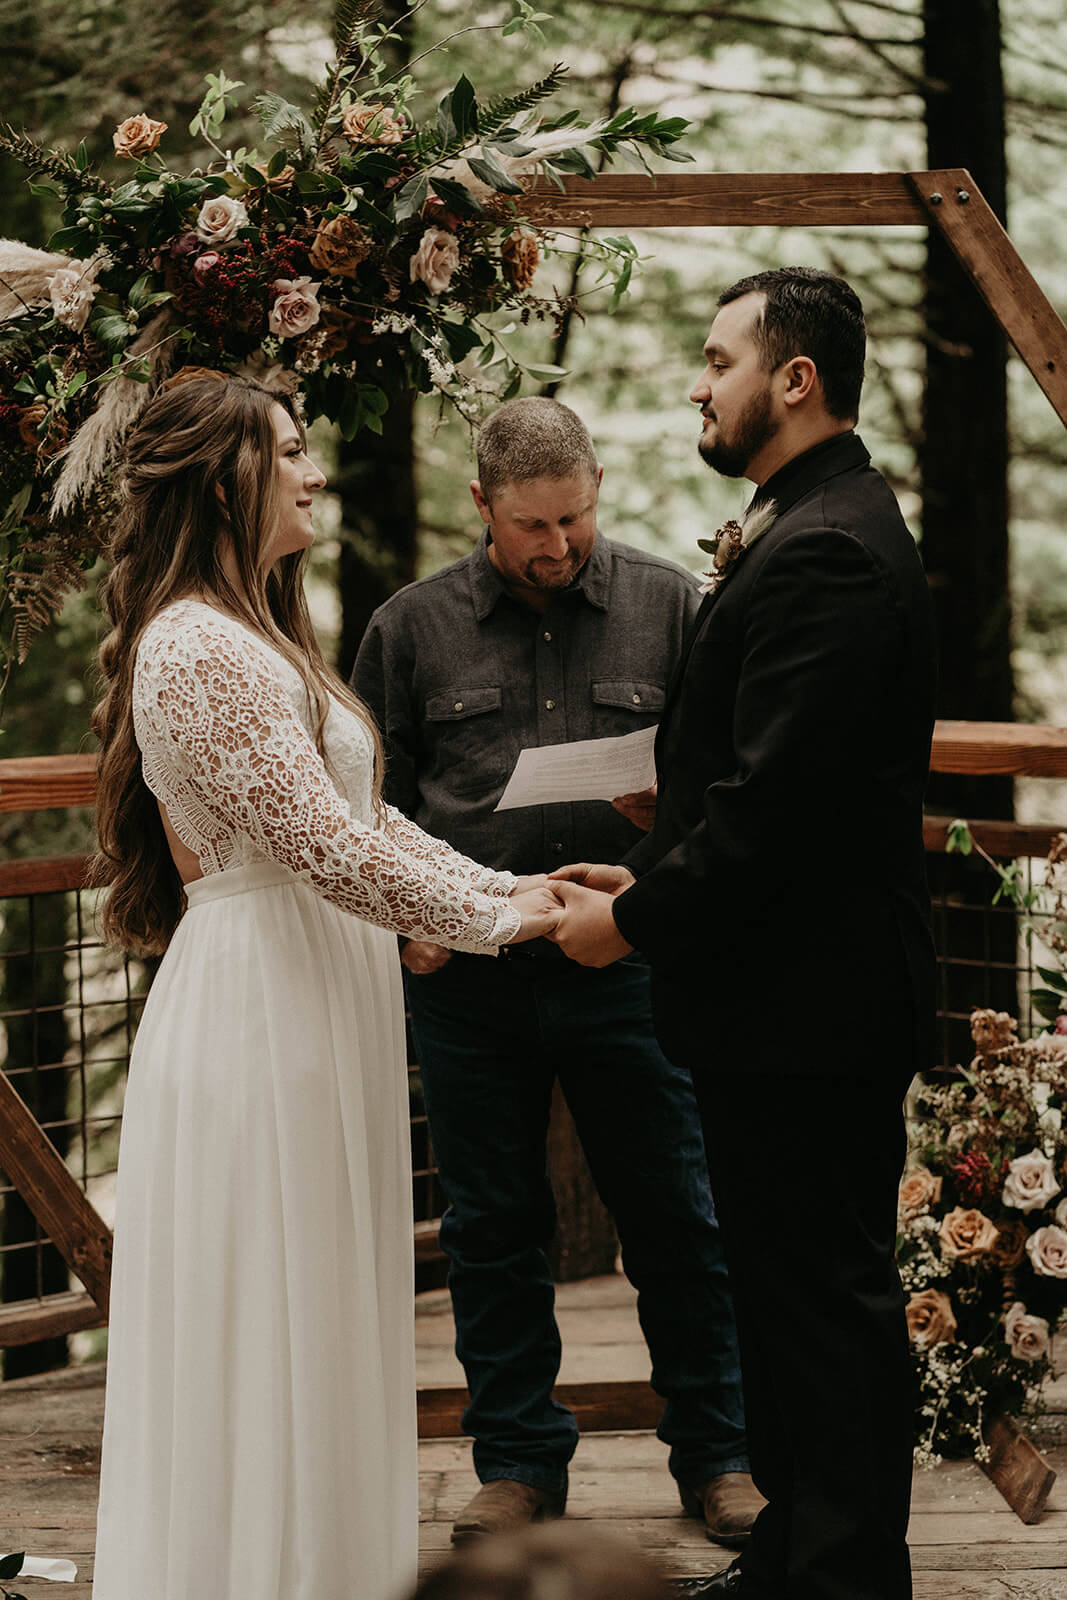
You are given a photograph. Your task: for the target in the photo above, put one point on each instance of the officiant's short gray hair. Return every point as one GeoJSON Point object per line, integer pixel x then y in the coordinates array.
{"type": "Point", "coordinates": [533, 438]}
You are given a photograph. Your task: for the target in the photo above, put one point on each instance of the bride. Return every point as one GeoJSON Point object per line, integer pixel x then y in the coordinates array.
{"type": "Point", "coordinates": [259, 1433]}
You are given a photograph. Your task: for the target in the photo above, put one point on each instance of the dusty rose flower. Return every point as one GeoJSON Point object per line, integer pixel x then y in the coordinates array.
{"type": "Point", "coordinates": [930, 1319]}
{"type": "Point", "coordinates": [373, 124]}
{"type": "Point", "coordinates": [1047, 1249]}
{"type": "Point", "coordinates": [219, 219]}
{"type": "Point", "coordinates": [339, 247]}
{"type": "Point", "coordinates": [281, 180]}
{"type": "Point", "coordinates": [520, 255]}
{"type": "Point", "coordinates": [297, 307]}
{"type": "Point", "coordinates": [435, 260]}
{"type": "Point", "coordinates": [1031, 1182]}
{"type": "Point", "coordinates": [73, 290]}
{"type": "Point", "coordinates": [966, 1234]}
{"type": "Point", "coordinates": [992, 1030]}
{"type": "Point", "coordinates": [137, 136]}
{"type": "Point", "coordinates": [191, 375]}
{"type": "Point", "coordinates": [919, 1188]}
{"type": "Point", "coordinates": [204, 263]}
{"type": "Point", "coordinates": [1027, 1335]}
{"type": "Point", "coordinates": [1009, 1246]}
{"type": "Point", "coordinates": [29, 418]}
{"type": "Point", "coordinates": [54, 438]}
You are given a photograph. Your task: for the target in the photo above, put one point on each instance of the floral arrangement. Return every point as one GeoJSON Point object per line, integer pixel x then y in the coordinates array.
{"type": "Point", "coordinates": [363, 251]}
{"type": "Point", "coordinates": [982, 1244]}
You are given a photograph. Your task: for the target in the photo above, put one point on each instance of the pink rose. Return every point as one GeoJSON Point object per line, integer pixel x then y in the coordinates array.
{"type": "Point", "coordinates": [930, 1319]}
{"type": "Point", "coordinates": [297, 307]}
{"type": "Point", "coordinates": [435, 260]}
{"type": "Point", "coordinates": [205, 262]}
{"type": "Point", "coordinates": [919, 1189]}
{"type": "Point", "coordinates": [1027, 1335]}
{"type": "Point", "coordinates": [966, 1234]}
{"type": "Point", "coordinates": [137, 136]}
{"type": "Point", "coordinates": [1047, 1249]}
{"type": "Point", "coordinates": [1031, 1182]}
{"type": "Point", "coordinates": [219, 219]}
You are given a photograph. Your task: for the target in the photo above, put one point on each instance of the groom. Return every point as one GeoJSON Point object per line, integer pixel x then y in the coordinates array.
{"type": "Point", "coordinates": [781, 901]}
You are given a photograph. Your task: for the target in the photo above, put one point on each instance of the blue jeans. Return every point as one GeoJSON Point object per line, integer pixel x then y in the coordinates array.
{"type": "Point", "coordinates": [491, 1037]}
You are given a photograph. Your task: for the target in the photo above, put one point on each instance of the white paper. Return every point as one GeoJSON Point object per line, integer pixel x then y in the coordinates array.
{"type": "Point", "coordinates": [39, 1567]}
{"type": "Point", "coordinates": [587, 769]}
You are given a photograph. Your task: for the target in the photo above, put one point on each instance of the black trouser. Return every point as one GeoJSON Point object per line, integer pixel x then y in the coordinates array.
{"type": "Point", "coordinates": [805, 1173]}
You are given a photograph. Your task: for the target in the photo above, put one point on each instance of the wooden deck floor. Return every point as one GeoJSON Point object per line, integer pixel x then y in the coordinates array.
{"type": "Point", "coordinates": [966, 1544]}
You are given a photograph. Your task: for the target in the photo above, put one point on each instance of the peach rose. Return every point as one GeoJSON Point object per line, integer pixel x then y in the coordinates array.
{"type": "Point", "coordinates": [373, 124]}
{"type": "Point", "coordinates": [137, 136]}
{"type": "Point", "coordinates": [435, 260]}
{"type": "Point", "coordinates": [339, 247]}
{"type": "Point", "coordinates": [73, 290]}
{"type": "Point", "coordinates": [1027, 1335]}
{"type": "Point", "coordinates": [966, 1234]}
{"type": "Point", "coordinates": [919, 1188]}
{"type": "Point", "coordinates": [1047, 1249]}
{"type": "Point", "coordinates": [297, 307]}
{"type": "Point", "coordinates": [930, 1319]}
{"type": "Point", "coordinates": [1031, 1182]}
{"type": "Point", "coordinates": [1010, 1245]}
{"type": "Point", "coordinates": [54, 437]}
{"type": "Point", "coordinates": [520, 255]}
{"type": "Point", "coordinates": [219, 219]}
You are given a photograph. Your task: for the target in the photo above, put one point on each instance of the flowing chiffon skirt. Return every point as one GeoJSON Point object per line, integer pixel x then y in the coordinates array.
{"type": "Point", "coordinates": [259, 1433]}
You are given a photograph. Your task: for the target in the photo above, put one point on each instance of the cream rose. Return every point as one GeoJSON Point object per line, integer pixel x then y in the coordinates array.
{"type": "Point", "coordinates": [73, 290]}
{"type": "Point", "coordinates": [930, 1319]}
{"type": "Point", "coordinates": [1028, 1336]}
{"type": "Point", "coordinates": [919, 1188]}
{"type": "Point", "coordinates": [1031, 1182]}
{"type": "Point", "coordinates": [1059, 1216]}
{"type": "Point", "coordinates": [219, 219]}
{"type": "Point", "coordinates": [137, 136]}
{"type": "Point", "coordinates": [297, 307]}
{"type": "Point", "coordinates": [435, 260]}
{"type": "Point", "coordinates": [373, 124]}
{"type": "Point", "coordinates": [966, 1234]}
{"type": "Point", "coordinates": [1047, 1249]}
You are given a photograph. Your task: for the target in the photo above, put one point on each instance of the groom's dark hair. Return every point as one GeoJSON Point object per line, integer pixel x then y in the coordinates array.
{"type": "Point", "coordinates": [810, 313]}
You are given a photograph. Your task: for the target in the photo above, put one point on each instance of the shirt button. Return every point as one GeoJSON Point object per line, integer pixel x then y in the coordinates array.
{"type": "Point", "coordinates": [637, 701]}
{"type": "Point", "coordinates": [547, 638]}
{"type": "Point", "coordinates": [558, 848]}
{"type": "Point", "coordinates": [550, 705]}
{"type": "Point", "coordinates": [458, 706]}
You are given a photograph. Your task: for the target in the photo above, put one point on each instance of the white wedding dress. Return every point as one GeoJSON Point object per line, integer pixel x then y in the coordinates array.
{"type": "Point", "coordinates": [259, 1433]}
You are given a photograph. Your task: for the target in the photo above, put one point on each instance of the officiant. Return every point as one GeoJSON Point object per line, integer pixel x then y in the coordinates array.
{"type": "Point", "coordinates": [546, 633]}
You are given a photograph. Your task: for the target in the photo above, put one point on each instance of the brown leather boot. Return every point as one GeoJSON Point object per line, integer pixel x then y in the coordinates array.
{"type": "Point", "coordinates": [729, 1505]}
{"type": "Point", "coordinates": [502, 1504]}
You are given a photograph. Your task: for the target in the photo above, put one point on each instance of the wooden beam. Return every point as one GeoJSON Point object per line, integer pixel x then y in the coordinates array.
{"type": "Point", "coordinates": [956, 206]}
{"type": "Point", "coordinates": [26, 1321]}
{"type": "Point", "coordinates": [72, 1223]}
{"type": "Point", "coordinates": [598, 1407]}
{"type": "Point", "coordinates": [1033, 750]}
{"type": "Point", "coordinates": [41, 783]}
{"type": "Point", "coordinates": [726, 199]}
{"type": "Point", "coordinates": [1017, 1468]}
{"type": "Point", "coordinates": [1006, 839]}
{"type": "Point", "coordinates": [43, 875]}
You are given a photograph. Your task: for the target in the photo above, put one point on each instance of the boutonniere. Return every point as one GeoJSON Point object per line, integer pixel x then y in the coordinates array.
{"type": "Point", "coordinates": [731, 539]}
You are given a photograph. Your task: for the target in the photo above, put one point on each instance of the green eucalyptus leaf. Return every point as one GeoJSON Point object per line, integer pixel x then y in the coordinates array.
{"type": "Point", "coordinates": [463, 107]}
{"type": "Point", "coordinates": [492, 172]}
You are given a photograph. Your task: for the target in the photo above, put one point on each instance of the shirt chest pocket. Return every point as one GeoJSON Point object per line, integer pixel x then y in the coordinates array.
{"type": "Point", "coordinates": [622, 705]}
{"type": "Point", "coordinates": [465, 737]}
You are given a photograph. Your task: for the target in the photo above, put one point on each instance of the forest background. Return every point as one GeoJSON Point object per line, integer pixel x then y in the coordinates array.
{"type": "Point", "coordinates": [952, 417]}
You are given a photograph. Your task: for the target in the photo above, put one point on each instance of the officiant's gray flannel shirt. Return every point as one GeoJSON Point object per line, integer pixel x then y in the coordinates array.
{"type": "Point", "coordinates": [461, 677]}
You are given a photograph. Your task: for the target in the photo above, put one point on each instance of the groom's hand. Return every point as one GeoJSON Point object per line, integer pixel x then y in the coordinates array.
{"type": "Point", "coordinates": [586, 929]}
{"type": "Point", "coordinates": [612, 880]}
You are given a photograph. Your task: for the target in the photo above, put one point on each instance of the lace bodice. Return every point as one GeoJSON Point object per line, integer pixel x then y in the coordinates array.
{"type": "Point", "coordinates": [227, 747]}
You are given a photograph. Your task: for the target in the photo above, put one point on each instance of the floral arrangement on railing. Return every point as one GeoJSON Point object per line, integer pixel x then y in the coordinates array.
{"type": "Point", "coordinates": [362, 251]}
{"type": "Point", "coordinates": [982, 1246]}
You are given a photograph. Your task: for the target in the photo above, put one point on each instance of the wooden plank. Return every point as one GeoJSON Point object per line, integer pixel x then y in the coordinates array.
{"type": "Point", "coordinates": [26, 1321]}
{"type": "Point", "coordinates": [1033, 750]}
{"type": "Point", "coordinates": [427, 1246]}
{"type": "Point", "coordinates": [1007, 839]}
{"type": "Point", "coordinates": [956, 206]}
{"type": "Point", "coordinates": [1021, 1473]}
{"type": "Point", "coordinates": [43, 875]}
{"type": "Point", "coordinates": [41, 783]}
{"type": "Point", "coordinates": [68, 1218]}
{"type": "Point", "coordinates": [597, 1406]}
{"type": "Point", "coordinates": [727, 199]}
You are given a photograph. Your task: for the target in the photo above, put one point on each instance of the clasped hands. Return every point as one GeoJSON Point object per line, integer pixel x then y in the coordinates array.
{"type": "Point", "coordinates": [572, 907]}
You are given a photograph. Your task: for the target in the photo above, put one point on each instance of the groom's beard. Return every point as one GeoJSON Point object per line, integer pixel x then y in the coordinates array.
{"type": "Point", "coordinates": [730, 453]}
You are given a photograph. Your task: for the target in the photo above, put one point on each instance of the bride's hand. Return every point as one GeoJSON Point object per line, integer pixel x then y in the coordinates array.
{"type": "Point", "coordinates": [539, 910]}
{"type": "Point", "coordinates": [534, 880]}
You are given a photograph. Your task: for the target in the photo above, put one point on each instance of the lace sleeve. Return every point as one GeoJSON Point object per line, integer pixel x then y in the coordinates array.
{"type": "Point", "coordinates": [427, 847]}
{"type": "Point", "coordinates": [212, 710]}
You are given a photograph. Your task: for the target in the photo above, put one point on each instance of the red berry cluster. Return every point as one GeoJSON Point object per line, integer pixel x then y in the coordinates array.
{"type": "Point", "coordinates": [234, 290]}
{"type": "Point", "coordinates": [975, 1176]}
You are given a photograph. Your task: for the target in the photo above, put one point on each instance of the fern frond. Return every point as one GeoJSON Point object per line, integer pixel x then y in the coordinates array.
{"type": "Point", "coordinates": [279, 115]}
{"type": "Point", "coordinates": [36, 158]}
{"type": "Point", "coordinates": [349, 17]}
{"type": "Point", "coordinates": [499, 112]}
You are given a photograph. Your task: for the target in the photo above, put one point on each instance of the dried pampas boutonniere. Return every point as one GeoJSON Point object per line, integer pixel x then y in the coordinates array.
{"type": "Point", "coordinates": [729, 541]}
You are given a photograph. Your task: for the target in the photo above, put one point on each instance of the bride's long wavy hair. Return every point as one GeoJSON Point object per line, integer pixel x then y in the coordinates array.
{"type": "Point", "coordinates": [173, 535]}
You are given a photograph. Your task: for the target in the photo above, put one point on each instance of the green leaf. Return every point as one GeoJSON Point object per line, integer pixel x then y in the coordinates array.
{"type": "Point", "coordinates": [412, 197]}
{"type": "Point", "coordinates": [446, 128]}
{"type": "Point", "coordinates": [140, 291]}
{"type": "Point", "coordinates": [457, 198]}
{"type": "Point", "coordinates": [71, 240]}
{"type": "Point", "coordinates": [460, 339]}
{"type": "Point", "coordinates": [1046, 1004]}
{"type": "Point", "coordinates": [253, 177]}
{"type": "Point", "coordinates": [79, 380]}
{"type": "Point", "coordinates": [545, 374]}
{"type": "Point", "coordinates": [279, 115]}
{"type": "Point", "coordinates": [959, 837]}
{"type": "Point", "coordinates": [110, 328]}
{"type": "Point", "coordinates": [490, 170]}
{"type": "Point", "coordinates": [11, 1566]}
{"type": "Point", "coordinates": [276, 164]}
{"type": "Point", "coordinates": [1055, 980]}
{"type": "Point", "coordinates": [81, 158]}
{"type": "Point", "coordinates": [44, 190]}
{"type": "Point", "coordinates": [463, 107]}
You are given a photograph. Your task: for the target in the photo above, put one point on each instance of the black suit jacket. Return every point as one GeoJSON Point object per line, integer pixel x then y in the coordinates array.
{"type": "Point", "coordinates": [781, 897]}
